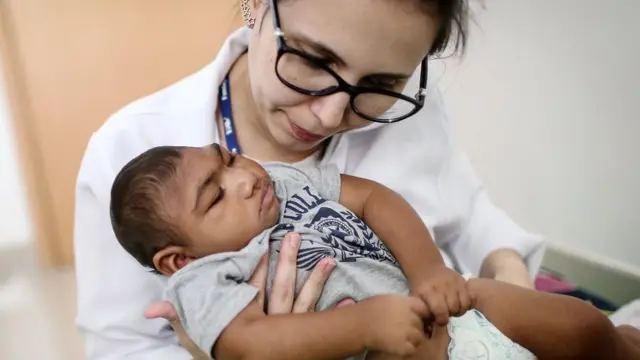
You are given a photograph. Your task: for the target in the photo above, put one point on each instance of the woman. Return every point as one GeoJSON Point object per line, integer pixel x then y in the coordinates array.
{"type": "Point", "coordinates": [319, 83]}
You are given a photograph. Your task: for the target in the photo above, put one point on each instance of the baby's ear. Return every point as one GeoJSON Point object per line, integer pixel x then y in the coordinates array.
{"type": "Point", "coordinates": [171, 259]}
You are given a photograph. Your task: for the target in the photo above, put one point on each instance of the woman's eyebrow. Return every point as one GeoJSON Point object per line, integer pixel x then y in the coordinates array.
{"type": "Point", "coordinates": [323, 49]}
{"type": "Point", "coordinates": [320, 47]}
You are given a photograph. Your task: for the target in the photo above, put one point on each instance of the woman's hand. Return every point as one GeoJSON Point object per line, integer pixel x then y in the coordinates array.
{"type": "Point", "coordinates": [281, 298]}
{"type": "Point", "coordinates": [506, 265]}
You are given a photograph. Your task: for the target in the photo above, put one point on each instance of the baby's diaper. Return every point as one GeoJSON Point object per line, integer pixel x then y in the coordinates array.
{"type": "Point", "coordinates": [474, 337]}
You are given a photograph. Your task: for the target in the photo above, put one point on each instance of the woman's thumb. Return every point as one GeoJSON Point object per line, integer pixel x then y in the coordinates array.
{"type": "Point", "coordinates": [161, 310]}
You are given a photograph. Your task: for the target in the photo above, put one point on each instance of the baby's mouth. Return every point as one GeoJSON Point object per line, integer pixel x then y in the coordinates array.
{"type": "Point", "coordinates": [267, 195]}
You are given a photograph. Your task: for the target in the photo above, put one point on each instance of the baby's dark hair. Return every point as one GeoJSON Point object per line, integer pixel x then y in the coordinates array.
{"type": "Point", "coordinates": [138, 215]}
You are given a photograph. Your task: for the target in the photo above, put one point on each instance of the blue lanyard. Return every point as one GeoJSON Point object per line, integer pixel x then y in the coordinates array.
{"type": "Point", "coordinates": [227, 117]}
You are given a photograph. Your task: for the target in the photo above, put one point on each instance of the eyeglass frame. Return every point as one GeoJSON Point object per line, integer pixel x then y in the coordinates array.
{"type": "Point", "coordinates": [344, 86]}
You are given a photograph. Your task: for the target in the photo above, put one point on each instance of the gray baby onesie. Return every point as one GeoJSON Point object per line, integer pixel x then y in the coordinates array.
{"type": "Point", "coordinates": [210, 292]}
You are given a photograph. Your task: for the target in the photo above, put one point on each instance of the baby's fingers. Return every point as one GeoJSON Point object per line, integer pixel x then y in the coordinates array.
{"type": "Point", "coordinates": [439, 308]}
{"type": "Point", "coordinates": [453, 302]}
{"type": "Point", "coordinates": [419, 307]}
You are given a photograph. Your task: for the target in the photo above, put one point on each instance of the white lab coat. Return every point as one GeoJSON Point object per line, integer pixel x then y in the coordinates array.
{"type": "Point", "coordinates": [414, 157]}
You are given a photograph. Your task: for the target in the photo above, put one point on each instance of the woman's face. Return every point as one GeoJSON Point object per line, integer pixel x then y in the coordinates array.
{"type": "Point", "coordinates": [363, 41]}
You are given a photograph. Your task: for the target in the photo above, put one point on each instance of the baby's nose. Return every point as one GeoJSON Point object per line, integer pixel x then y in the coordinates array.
{"type": "Point", "coordinates": [246, 182]}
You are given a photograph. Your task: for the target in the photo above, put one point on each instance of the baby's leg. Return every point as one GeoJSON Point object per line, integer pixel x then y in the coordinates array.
{"type": "Point", "coordinates": [552, 326]}
{"type": "Point", "coordinates": [631, 335]}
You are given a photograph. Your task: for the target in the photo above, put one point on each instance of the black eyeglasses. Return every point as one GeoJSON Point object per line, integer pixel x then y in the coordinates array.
{"type": "Point", "coordinates": [308, 75]}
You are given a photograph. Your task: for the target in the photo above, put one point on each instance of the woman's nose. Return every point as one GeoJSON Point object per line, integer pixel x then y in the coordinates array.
{"type": "Point", "coordinates": [331, 109]}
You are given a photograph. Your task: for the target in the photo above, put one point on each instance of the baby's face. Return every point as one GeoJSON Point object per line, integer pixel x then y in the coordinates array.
{"type": "Point", "coordinates": [220, 201]}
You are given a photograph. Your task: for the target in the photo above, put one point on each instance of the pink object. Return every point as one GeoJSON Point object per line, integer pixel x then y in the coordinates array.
{"type": "Point", "coordinates": [551, 283]}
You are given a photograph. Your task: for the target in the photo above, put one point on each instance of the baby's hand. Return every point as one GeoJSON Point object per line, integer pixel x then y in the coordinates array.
{"type": "Point", "coordinates": [444, 291]}
{"type": "Point", "coordinates": [394, 324]}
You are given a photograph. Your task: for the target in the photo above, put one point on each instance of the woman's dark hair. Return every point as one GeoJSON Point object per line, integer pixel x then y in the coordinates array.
{"type": "Point", "coordinates": [453, 16]}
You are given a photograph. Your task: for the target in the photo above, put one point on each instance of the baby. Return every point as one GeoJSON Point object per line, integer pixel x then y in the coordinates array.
{"type": "Point", "coordinates": [206, 217]}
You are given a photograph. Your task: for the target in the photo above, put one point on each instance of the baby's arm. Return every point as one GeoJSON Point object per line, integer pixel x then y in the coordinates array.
{"type": "Point", "coordinates": [551, 326]}
{"type": "Point", "coordinates": [395, 222]}
{"type": "Point", "coordinates": [332, 334]}
{"type": "Point", "coordinates": [404, 233]}
{"type": "Point", "coordinates": [338, 333]}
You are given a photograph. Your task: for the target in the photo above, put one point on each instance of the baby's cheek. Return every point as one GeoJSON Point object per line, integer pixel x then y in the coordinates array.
{"type": "Point", "coordinates": [208, 240]}
{"type": "Point", "coordinates": [207, 245]}
{"type": "Point", "coordinates": [243, 237]}
{"type": "Point", "coordinates": [274, 216]}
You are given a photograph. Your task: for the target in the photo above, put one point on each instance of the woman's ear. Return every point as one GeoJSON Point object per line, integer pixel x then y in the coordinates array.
{"type": "Point", "coordinates": [171, 259]}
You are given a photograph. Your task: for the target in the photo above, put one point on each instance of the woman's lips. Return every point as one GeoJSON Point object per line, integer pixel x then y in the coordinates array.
{"type": "Point", "coordinates": [303, 135]}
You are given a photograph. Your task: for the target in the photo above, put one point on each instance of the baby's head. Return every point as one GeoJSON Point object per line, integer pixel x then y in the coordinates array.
{"type": "Point", "coordinates": [172, 205]}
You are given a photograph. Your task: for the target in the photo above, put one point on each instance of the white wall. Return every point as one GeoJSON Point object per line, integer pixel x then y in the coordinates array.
{"type": "Point", "coordinates": [547, 104]}
{"type": "Point", "coordinates": [15, 222]}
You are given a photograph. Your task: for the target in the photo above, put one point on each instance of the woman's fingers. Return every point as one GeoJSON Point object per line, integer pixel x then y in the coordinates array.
{"type": "Point", "coordinates": [284, 281]}
{"type": "Point", "coordinates": [259, 279]}
{"type": "Point", "coordinates": [312, 288]}
{"type": "Point", "coordinates": [163, 310]}
{"type": "Point", "coordinates": [186, 342]}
